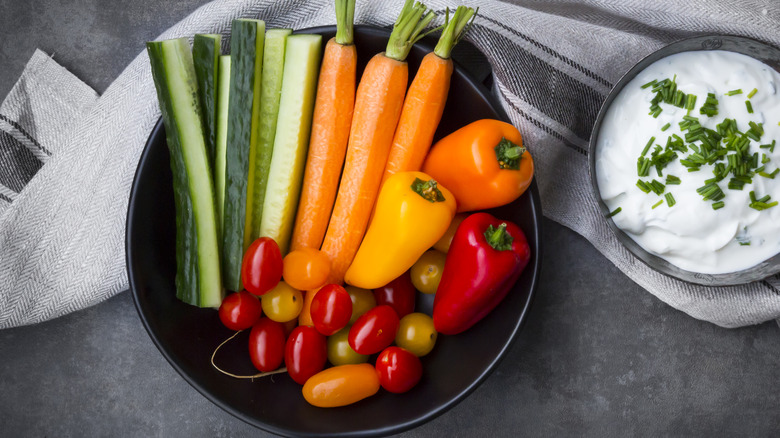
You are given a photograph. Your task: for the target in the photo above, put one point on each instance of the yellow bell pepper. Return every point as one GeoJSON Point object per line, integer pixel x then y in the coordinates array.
{"type": "Point", "coordinates": [412, 213]}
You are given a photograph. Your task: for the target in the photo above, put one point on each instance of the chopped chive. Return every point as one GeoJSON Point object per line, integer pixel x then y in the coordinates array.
{"type": "Point", "coordinates": [734, 92]}
{"type": "Point", "coordinates": [762, 205]}
{"type": "Point", "coordinates": [650, 84]}
{"type": "Point", "coordinates": [643, 186]}
{"type": "Point", "coordinates": [647, 146]}
{"type": "Point", "coordinates": [665, 127]}
{"type": "Point", "coordinates": [657, 204]}
{"type": "Point", "coordinates": [745, 243]}
{"type": "Point", "coordinates": [615, 211]}
{"type": "Point", "coordinates": [749, 107]}
{"type": "Point", "coordinates": [718, 205]}
{"type": "Point", "coordinates": [672, 180]}
{"type": "Point", "coordinates": [752, 93]}
{"type": "Point", "coordinates": [670, 199]}
{"type": "Point", "coordinates": [690, 102]}
{"type": "Point", "coordinates": [770, 175]}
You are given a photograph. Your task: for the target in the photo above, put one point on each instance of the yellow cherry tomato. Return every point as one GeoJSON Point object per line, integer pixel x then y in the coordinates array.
{"type": "Point", "coordinates": [416, 334]}
{"type": "Point", "coordinates": [443, 244]}
{"type": "Point", "coordinates": [426, 272]}
{"type": "Point", "coordinates": [282, 303]}
{"type": "Point", "coordinates": [339, 351]}
{"type": "Point", "coordinates": [363, 300]}
{"type": "Point", "coordinates": [306, 268]}
{"type": "Point", "coordinates": [341, 385]}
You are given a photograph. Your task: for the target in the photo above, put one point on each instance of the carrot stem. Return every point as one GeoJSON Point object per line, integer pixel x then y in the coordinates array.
{"type": "Point", "coordinates": [407, 30]}
{"type": "Point", "coordinates": [454, 29]}
{"type": "Point", "coordinates": [345, 14]}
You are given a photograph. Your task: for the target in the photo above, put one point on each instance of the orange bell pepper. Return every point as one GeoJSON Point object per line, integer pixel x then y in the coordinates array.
{"type": "Point", "coordinates": [484, 164]}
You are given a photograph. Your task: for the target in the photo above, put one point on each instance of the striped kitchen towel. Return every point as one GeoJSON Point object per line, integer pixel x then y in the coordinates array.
{"type": "Point", "coordinates": [67, 157]}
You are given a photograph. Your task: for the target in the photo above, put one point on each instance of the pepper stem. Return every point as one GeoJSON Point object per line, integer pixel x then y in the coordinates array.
{"type": "Point", "coordinates": [508, 154]}
{"type": "Point", "coordinates": [498, 238]}
{"type": "Point", "coordinates": [429, 190]}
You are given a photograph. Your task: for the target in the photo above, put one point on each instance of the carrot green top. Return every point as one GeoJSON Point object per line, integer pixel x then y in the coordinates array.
{"type": "Point", "coordinates": [345, 13]}
{"type": "Point", "coordinates": [454, 30]}
{"type": "Point", "coordinates": [407, 30]}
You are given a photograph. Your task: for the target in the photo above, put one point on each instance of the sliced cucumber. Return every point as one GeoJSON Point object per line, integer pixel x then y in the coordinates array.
{"type": "Point", "coordinates": [197, 252]}
{"type": "Point", "coordinates": [301, 66]}
{"type": "Point", "coordinates": [262, 150]}
{"type": "Point", "coordinates": [221, 141]}
{"type": "Point", "coordinates": [205, 54]}
{"type": "Point", "coordinates": [246, 45]}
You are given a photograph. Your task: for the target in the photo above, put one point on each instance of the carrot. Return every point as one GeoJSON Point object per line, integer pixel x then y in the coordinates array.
{"type": "Point", "coordinates": [424, 103]}
{"type": "Point", "coordinates": [329, 132]}
{"type": "Point", "coordinates": [378, 103]}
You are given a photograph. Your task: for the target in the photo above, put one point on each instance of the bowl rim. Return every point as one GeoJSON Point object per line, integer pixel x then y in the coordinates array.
{"type": "Point", "coordinates": [768, 267]}
{"type": "Point", "coordinates": [534, 266]}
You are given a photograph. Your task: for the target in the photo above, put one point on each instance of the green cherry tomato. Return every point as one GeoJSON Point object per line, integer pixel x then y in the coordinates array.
{"type": "Point", "coordinates": [282, 303]}
{"type": "Point", "coordinates": [416, 334]}
{"type": "Point", "coordinates": [426, 272]}
{"type": "Point", "coordinates": [362, 301]}
{"type": "Point", "coordinates": [339, 351]}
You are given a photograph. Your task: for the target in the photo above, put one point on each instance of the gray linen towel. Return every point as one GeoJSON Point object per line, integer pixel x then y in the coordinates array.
{"type": "Point", "coordinates": [67, 157]}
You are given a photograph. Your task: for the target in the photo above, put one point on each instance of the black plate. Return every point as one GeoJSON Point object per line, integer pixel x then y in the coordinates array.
{"type": "Point", "coordinates": [187, 336]}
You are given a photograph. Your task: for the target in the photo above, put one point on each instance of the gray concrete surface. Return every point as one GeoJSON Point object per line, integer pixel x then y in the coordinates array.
{"type": "Point", "coordinates": [598, 357]}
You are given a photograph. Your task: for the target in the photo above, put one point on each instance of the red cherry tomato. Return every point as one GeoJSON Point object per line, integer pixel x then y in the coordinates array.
{"type": "Point", "coordinates": [261, 268]}
{"type": "Point", "coordinates": [398, 369]}
{"type": "Point", "coordinates": [240, 310]}
{"type": "Point", "coordinates": [266, 345]}
{"type": "Point", "coordinates": [305, 353]}
{"type": "Point", "coordinates": [331, 309]}
{"type": "Point", "coordinates": [374, 330]}
{"type": "Point", "coordinates": [399, 294]}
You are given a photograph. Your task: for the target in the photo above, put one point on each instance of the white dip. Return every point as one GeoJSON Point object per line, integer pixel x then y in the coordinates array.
{"type": "Point", "coordinates": [691, 234]}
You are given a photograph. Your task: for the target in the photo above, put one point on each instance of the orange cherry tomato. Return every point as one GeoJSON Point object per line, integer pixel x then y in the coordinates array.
{"type": "Point", "coordinates": [306, 268]}
{"type": "Point", "coordinates": [443, 244]}
{"type": "Point", "coordinates": [341, 385]}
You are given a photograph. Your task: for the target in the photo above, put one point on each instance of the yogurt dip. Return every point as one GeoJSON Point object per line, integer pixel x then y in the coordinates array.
{"type": "Point", "coordinates": [692, 233]}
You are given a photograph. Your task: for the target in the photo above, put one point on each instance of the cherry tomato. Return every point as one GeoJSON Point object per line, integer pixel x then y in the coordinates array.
{"type": "Point", "coordinates": [305, 353]}
{"type": "Point", "coordinates": [398, 294]}
{"type": "Point", "coordinates": [362, 301]}
{"type": "Point", "coordinates": [282, 303]}
{"type": "Point", "coordinates": [443, 244]}
{"type": "Point", "coordinates": [341, 385]}
{"type": "Point", "coordinates": [331, 309]}
{"type": "Point", "coordinates": [426, 272]}
{"type": "Point", "coordinates": [416, 334]}
{"type": "Point", "coordinates": [266, 345]}
{"type": "Point", "coordinates": [240, 310]}
{"type": "Point", "coordinates": [339, 351]}
{"type": "Point", "coordinates": [261, 268]}
{"type": "Point", "coordinates": [374, 330]}
{"type": "Point", "coordinates": [398, 369]}
{"type": "Point", "coordinates": [306, 268]}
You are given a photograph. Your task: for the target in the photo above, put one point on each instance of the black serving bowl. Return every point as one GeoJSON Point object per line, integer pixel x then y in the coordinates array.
{"type": "Point", "coordinates": [763, 52]}
{"type": "Point", "coordinates": [187, 335]}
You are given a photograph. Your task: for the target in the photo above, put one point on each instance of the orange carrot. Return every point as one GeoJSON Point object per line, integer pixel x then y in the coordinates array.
{"type": "Point", "coordinates": [424, 103]}
{"type": "Point", "coordinates": [329, 132]}
{"type": "Point", "coordinates": [378, 103]}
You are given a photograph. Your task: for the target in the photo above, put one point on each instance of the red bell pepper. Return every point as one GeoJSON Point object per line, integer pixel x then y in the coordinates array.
{"type": "Point", "coordinates": [485, 259]}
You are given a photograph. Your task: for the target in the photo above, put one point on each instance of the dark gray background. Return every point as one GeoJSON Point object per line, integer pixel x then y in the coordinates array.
{"type": "Point", "coordinates": [599, 356]}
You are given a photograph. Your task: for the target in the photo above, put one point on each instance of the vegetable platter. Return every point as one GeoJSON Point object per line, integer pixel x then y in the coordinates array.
{"type": "Point", "coordinates": [187, 335]}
